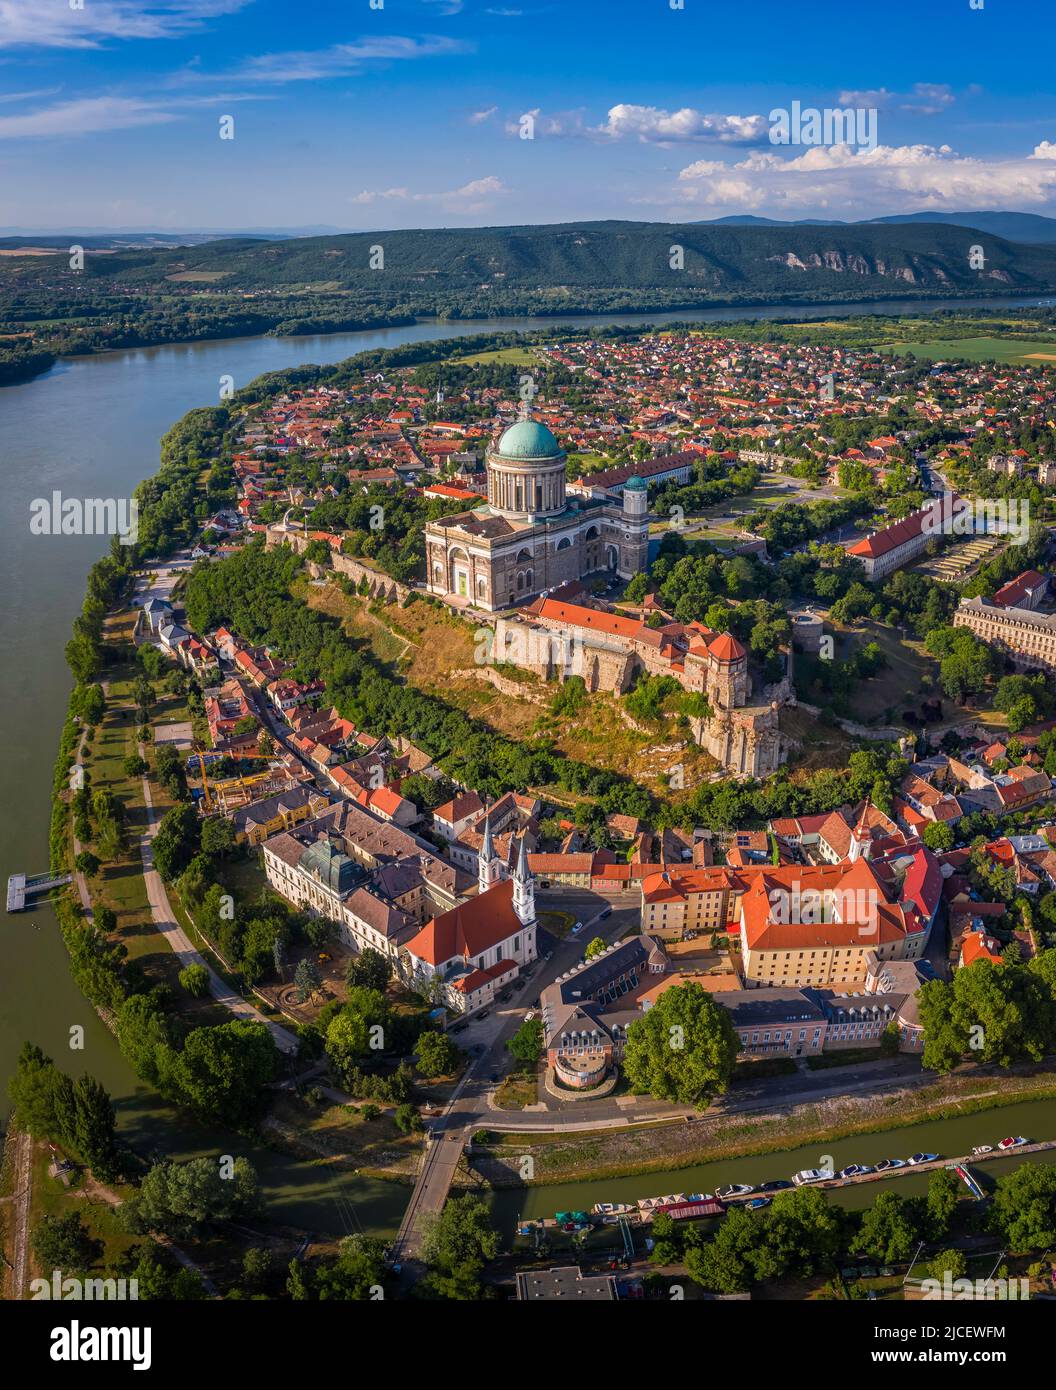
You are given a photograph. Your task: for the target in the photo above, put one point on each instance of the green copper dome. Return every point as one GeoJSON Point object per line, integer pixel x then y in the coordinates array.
{"type": "Point", "coordinates": [528, 439]}
{"type": "Point", "coordinates": [635, 484]}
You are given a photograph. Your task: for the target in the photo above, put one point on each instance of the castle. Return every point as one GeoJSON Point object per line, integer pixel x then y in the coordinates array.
{"type": "Point", "coordinates": [558, 639]}
{"type": "Point", "coordinates": [531, 535]}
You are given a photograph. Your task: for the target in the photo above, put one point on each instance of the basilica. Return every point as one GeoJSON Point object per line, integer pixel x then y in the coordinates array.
{"type": "Point", "coordinates": [530, 536]}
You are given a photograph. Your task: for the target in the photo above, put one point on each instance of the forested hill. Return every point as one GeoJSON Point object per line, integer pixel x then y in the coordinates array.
{"type": "Point", "coordinates": [451, 268]}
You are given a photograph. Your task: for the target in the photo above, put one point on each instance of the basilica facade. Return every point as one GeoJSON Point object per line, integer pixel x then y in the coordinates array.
{"type": "Point", "coordinates": [530, 536]}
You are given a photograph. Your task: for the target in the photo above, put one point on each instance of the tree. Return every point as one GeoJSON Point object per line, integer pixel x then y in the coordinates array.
{"type": "Point", "coordinates": [370, 970]}
{"type": "Point", "coordinates": [86, 863]}
{"type": "Point", "coordinates": [195, 980]}
{"type": "Point", "coordinates": [456, 1246]}
{"type": "Point", "coordinates": [92, 1128]}
{"type": "Point", "coordinates": [683, 1049]}
{"type": "Point", "coordinates": [527, 1043]}
{"type": "Point", "coordinates": [889, 1231]}
{"type": "Point", "coordinates": [65, 1243]}
{"type": "Point", "coordinates": [1024, 1207]}
{"type": "Point", "coordinates": [134, 765]}
{"type": "Point", "coordinates": [256, 1266]}
{"type": "Point", "coordinates": [357, 1274]}
{"type": "Point", "coordinates": [951, 1262]}
{"type": "Point", "coordinates": [176, 841]}
{"type": "Point", "coordinates": [218, 836]}
{"type": "Point", "coordinates": [221, 1071]}
{"type": "Point", "coordinates": [938, 836]}
{"type": "Point", "coordinates": [944, 1192]}
{"type": "Point", "coordinates": [361, 1022]}
{"type": "Point", "coordinates": [437, 1054]}
{"type": "Point", "coordinates": [407, 1119]}
{"type": "Point", "coordinates": [595, 948]}
{"type": "Point", "coordinates": [306, 979]}
{"type": "Point", "coordinates": [182, 1199]}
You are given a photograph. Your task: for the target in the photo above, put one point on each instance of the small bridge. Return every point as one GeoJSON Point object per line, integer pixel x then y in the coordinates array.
{"type": "Point", "coordinates": [21, 887]}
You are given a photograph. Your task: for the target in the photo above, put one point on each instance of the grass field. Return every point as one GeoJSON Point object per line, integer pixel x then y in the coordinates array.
{"type": "Point", "coordinates": [519, 356]}
{"type": "Point", "coordinates": [1018, 350]}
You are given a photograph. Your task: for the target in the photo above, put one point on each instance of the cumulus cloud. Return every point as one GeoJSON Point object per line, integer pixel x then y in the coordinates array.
{"type": "Point", "coordinates": [870, 181]}
{"type": "Point", "coordinates": [650, 125]}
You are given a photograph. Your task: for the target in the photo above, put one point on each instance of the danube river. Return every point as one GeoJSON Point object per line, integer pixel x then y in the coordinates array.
{"type": "Point", "coordinates": [89, 428]}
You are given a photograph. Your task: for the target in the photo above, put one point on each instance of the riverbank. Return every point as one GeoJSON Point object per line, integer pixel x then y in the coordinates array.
{"type": "Point", "coordinates": [616, 1154]}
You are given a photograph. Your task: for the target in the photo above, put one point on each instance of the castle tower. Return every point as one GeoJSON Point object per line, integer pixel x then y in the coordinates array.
{"type": "Point", "coordinates": [526, 473]}
{"type": "Point", "coordinates": [523, 887]}
{"type": "Point", "coordinates": [727, 673]}
{"type": "Point", "coordinates": [634, 543]}
{"type": "Point", "coordinates": [489, 866]}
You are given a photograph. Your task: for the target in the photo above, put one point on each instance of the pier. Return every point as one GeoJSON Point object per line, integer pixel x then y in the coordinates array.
{"type": "Point", "coordinates": [21, 887]}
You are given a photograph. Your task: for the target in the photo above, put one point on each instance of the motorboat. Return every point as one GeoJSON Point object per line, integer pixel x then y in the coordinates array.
{"type": "Point", "coordinates": [806, 1175]}
{"type": "Point", "coordinates": [854, 1170]}
{"type": "Point", "coordinates": [758, 1202]}
{"type": "Point", "coordinates": [612, 1208]}
{"type": "Point", "coordinates": [776, 1185]}
{"type": "Point", "coordinates": [734, 1189]}
{"type": "Point", "coordinates": [923, 1158]}
{"type": "Point", "coordinates": [983, 1149]}
{"type": "Point", "coordinates": [887, 1165]}
{"type": "Point", "coordinates": [1013, 1142]}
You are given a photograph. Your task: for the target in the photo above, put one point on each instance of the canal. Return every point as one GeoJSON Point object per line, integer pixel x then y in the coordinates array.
{"type": "Point", "coordinates": [90, 428]}
{"type": "Point", "coordinates": [951, 1138]}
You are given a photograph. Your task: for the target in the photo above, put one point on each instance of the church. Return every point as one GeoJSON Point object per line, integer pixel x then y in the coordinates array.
{"type": "Point", "coordinates": [530, 536]}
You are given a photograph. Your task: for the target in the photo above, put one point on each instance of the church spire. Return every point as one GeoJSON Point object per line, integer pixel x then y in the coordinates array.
{"type": "Point", "coordinates": [523, 886]}
{"type": "Point", "coordinates": [489, 867]}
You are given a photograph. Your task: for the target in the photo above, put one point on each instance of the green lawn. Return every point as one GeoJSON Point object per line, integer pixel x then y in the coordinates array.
{"type": "Point", "coordinates": [978, 349]}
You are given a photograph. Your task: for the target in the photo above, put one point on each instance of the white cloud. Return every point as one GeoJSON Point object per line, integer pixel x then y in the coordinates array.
{"type": "Point", "coordinates": [868, 182]}
{"type": "Point", "coordinates": [471, 197]}
{"type": "Point", "coordinates": [652, 123]}
{"type": "Point", "coordinates": [341, 60]}
{"type": "Point", "coordinates": [85, 117]}
{"type": "Point", "coordinates": [55, 24]}
{"type": "Point", "coordinates": [477, 117]}
{"type": "Point", "coordinates": [923, 99]}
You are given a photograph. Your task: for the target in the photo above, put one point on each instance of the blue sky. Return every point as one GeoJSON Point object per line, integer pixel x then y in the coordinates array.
{"type": "Point", "coordinates": [354, 116]}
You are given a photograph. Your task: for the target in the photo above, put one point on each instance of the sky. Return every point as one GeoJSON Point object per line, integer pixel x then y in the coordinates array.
{"type": "Point", "coordinates": [369, 114]}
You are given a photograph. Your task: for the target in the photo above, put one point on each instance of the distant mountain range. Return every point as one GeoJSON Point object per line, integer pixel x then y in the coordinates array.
{"type": "Point", "coordinates": [556, 267]}
{"type": "Point", "coordinates": [1029, 227]}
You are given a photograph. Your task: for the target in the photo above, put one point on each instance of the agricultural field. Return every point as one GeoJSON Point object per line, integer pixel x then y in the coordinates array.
{"type": "Point", "coordinates": [1022, 351]}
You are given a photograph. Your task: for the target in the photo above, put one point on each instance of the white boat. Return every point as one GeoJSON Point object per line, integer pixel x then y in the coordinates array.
{"type": "Point", "coordinates": [611, 1208]}
{"type": "Point", "coordinates": [983, 1149]}
{"type": "Point", "coordinates": [699, 1197]}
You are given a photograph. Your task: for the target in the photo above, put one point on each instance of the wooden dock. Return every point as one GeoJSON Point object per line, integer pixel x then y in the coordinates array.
{"type": "Point", "coordinates": [21, 887]}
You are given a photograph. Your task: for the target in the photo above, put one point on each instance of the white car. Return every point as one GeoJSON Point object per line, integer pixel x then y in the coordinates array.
{"type": "Point", "coordinates": [577, 928]}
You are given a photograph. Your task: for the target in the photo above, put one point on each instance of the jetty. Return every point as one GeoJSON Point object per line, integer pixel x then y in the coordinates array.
{"type": "Point", "coordinates": [22, 887]}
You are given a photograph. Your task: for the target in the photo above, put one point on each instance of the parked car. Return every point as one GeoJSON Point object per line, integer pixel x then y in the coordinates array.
{"type": "Point", "coordinates": [577, 928]}
{"type": "Point", "coordinates": [517, 984]}
{"type": "Point", "coordinates": [505, 997]}
{"type": "Point", "coordinates": [605, 912]}
{"type": "Point", "coordinates": [484, 1013]}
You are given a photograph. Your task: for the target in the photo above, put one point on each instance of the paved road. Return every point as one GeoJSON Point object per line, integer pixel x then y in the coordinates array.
{"type": "Point", "coordinates": [180, 943]}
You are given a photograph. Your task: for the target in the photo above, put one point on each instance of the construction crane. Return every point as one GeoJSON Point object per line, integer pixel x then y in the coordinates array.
{"type": "Point", "coordinates": [201, 750]}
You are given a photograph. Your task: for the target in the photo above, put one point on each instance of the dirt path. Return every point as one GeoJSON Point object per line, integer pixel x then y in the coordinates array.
{"type": "Point", "coordinates": [21, 1199]}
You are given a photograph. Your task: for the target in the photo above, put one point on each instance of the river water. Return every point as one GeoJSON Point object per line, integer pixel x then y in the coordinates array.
{"type": "Point", "coordinates": [89, 428]}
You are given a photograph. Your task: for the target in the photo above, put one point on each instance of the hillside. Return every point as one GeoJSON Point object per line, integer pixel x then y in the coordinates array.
{"type": "Point", "coordinates": [446, 268]}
